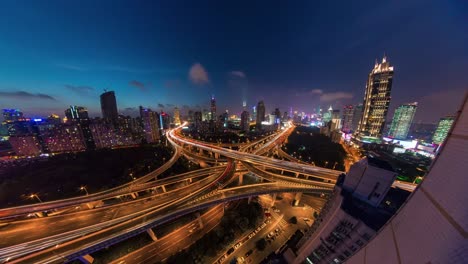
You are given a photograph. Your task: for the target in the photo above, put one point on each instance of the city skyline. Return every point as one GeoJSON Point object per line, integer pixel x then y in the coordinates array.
{"type": "Point", "coordinates": [139, 54]}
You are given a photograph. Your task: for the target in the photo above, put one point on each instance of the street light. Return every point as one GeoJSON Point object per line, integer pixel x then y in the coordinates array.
{"type": "Point", "coordinates": [35, 195]}
{"type": "Point", "coordinates": [83, 188]}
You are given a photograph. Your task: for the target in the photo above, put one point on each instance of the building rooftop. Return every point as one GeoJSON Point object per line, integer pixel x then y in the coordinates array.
{"type": "Point", "coordinates": [380, 163]}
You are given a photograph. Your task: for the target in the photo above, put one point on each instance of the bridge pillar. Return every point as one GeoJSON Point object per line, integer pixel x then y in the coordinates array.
{"type": "Point", "coordinates": [189, 180]}
{"type": "Point", "coordinates": [200, 221]}
{"type": "Point", "coordinates": [241, 178]}
{"type": "Point", "coordinates": [200, 151]}
{"type": "Point", "coordinates": [282, 172]}
{"type": "Point", "coordinates": [297, 174]}
{"type": "Point", "coordinates": [163, 188]}
{"type": "Point", "coordinates": [39, 214]}
{"type": "Point", "coordinates": [86, 259]}
{"type": "Point", "coordinates": [216, 155]}
{"type": "Point", "coordinates": [297, 199]}
{"type": "Point", "coordinates": [249, 200]}
{"type": "Point", "coordinates": [152, 234]}
{"type": "Point", "coordinates": [134, 195]}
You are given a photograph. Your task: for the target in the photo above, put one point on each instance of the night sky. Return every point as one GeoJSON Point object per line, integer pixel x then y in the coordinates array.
{"type": "Point", "coordinates": [165, 53]}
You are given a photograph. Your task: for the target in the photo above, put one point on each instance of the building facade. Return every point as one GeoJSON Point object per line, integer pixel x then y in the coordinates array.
{"type": "Point", "coordinates": [442, 129]}
{"type": "Point", "coordinates": [109, 106]}
{"type": "Point", "coordinates": [376, 99]}
{"type": "Point", "coordinates": [245, 121]}
{"type": "Point", "coordinates": [347, 119]}
{"type": "Point", "coordinates": [402, 120]}
{"type": "Point", "coordinates": [260, 114]}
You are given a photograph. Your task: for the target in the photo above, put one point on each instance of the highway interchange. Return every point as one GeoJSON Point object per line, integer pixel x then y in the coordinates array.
{"type": "Point", "coordinates": [88, 223]}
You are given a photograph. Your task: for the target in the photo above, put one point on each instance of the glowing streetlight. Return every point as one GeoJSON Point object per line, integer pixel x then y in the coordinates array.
{"type": "Point", "coordinates": [83, 188]}
{"type": "Point", "coordinates": [37, 197]}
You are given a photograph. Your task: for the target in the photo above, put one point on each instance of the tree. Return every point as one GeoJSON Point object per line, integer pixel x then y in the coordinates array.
{"type": "Point", "coordinates": [293, 220]}
{"type": "Point", "coordinates": [261, 244]}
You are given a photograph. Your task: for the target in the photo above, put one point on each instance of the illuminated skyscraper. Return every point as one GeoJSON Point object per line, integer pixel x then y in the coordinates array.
{"type": "Point", "coordinates": [109, 105]}
{"type": "Point", "coordinates": [442, 130]}
{"type": "Point", "coordinates": [12, 115]}
{"type": "Point", "coordinates": [177, 116]}
{"type": "Point", "coordinates": [76, 113]}
{"type": "Point", "coordinates": [213, 108]}
{"type": "Point", "coordinates": [357, 116]}
{"type": "Point", "coordinates": [401, 121]}
{"type": "Point", "coordinates": [260, 114]}
{"type": "Point", "coordinates": [376, 99]}
{"type": "Point", "coordinates": [150, 121]}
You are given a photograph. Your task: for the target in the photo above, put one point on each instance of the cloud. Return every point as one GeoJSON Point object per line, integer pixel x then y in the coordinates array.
{"type": "Point", "coordinates": [328, 97]}
{"type": "Point", "coordinates": [81, 90]}
{"type": "Point", "coordinates": [161, 105]}
{"type": "Point", "coordinates": [238, 74]}
{"type": "Point", "coordinates": [26, 95]}
{"type": "Point", "coordinates": [141, 86]}
{"type": "Point", "coordinates": [70, 67]}
{"type": "Point", "coordinates": [198, 74]}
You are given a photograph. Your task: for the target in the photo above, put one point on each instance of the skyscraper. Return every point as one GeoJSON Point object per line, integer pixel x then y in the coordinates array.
{"type": "Point", "coordinates": [336, 120]}
{"type": "Point", "coordinates": [347, 119]}
{"type": "Point", "coordinates": [12, 115]}
{"type": "Point", "coordinates": [376, 99]}
{"type": "Point", "coordinates": [76, 113]}
{"type": "Point", "coordinates": [442, 130]}
{"type": "Point", "coordinates": [150, 121]}
{"type": "Point", "coordinates": [401, 121]}
{"type": "Point", "coordinates": [357, 116]}
{"type": "Point", "coordinates": [245, 123]}
{"type": "Point", "coordinates": [177, 116]}
{"type": "Point", "coordinates": [213, 108]}
{"type": "Point", "coordinates": [109, 105]}
{"type": "Point", "coordinates": [260, 114]}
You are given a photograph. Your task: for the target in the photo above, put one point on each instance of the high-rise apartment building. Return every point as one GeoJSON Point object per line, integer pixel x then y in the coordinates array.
{"type": "Point", "coordinates": [442, 129]}
{"type": "Point", "coordinates": [109, 106]}
{"type": "Point", "coordinates": [335, 120]}
{"type": "Point", "coordinates": [79, 115]}
{"type": "Point", "coordinates": [260, 114]}
{"type": "Point", "coordinates": [150, 122]}
{"type": "Point", "coordinates": [402, 120]}
{"type": "Point", "coordinates": [376, 99]}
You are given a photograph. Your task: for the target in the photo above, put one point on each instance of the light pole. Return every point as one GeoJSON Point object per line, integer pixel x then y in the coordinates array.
{"type": "Point", "coordinates": [35, 195]}
{"type": "Point", "coordinates": [83, 188]}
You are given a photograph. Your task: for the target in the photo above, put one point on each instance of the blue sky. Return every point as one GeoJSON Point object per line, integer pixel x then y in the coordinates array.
{"type": "Point", "coordinates": [166, 53]}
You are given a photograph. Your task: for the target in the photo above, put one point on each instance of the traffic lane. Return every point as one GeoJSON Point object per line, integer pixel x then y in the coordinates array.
{"type": "Point", "coordinates": [164, 247]}
{"type": "Point", "coordinates": [27, 230]}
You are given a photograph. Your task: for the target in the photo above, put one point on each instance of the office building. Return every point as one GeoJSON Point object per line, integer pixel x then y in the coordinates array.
{"type": "Point", "coordinates": [376, 100]}
{"type": "Point", "coordinates": [402, 120]}
{"type": "Point", "coordinates": [327, 116]}
{"type": "Point", "coordinates": [357, 116]}
{"type": "Point", "coordinates": [76, 113]}
{"type": "Point", "coordinates": [260, 114]}
{"type": "Point", "coordinates": [442, 129]}
{"type": "Point", "coordinates": [213, 108]}
{"type": "Point", "coordinates": [335, 120]}
{"type": "Point", "coordinates": [109, 106]}
{"type": "Point", "coordinates": [177, 116]}
{"type": "Point", "coordinates": [245, 121]}
{"type": "Point", "coordinates": [10, 115]}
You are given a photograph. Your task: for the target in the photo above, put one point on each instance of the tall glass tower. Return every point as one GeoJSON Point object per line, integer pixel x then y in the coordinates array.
{"type": "Point", "coordinates": [109, 106]}
{"type": "Point", "coordinates": [401, 121]}
{"type": "Point", "coordinates": [376, 99]}
{"type": "Point", "coordinates": [442, 130]}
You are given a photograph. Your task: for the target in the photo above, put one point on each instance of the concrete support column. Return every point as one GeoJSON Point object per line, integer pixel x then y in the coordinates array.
{"type": "Point", "coordinates": [241, 178]}
{"type": "Point", "coordinates": [297, 199]}
{"type": "Point", "coordinates": [152, 234]}
{"type": "Point", "coordinates": [282, 172]}
{"type": "Point", "coordinates": [200, 221]}
{"type": "Point", "coordinates": [297, 174]}
{"type": "Point", "coordinates": [189, 180]}
{"type": "Point", "coordinates": [134, 195]}
{"type": "Point", "coordinates": [163, 188]}
{"type": "Point", "coordinates": [216, 155]}
{"type": "Point", "coordinates": [200, 151]}
{"type": "Point", "coordinates": [86, 259]}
